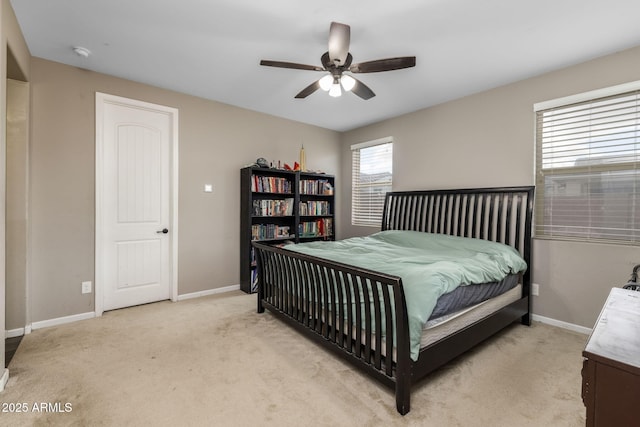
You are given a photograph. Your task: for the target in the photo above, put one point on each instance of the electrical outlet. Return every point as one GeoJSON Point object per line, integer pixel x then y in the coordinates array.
{"type": "Point", "coordinates": [86, 287]}
{"type": "Point", "coordinates": [535, 289]}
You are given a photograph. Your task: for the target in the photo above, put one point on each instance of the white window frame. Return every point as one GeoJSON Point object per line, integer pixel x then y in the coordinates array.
{"type": "Point", "coordinates": [364, 212]}
{"type": "Point", "coordinates": [602, 173]}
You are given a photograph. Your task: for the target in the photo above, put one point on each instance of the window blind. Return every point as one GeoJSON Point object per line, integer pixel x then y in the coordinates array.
{"type": "Point", "coordinates": [587, 169]}
{"type": "Point", "coordinates": [372, 177]}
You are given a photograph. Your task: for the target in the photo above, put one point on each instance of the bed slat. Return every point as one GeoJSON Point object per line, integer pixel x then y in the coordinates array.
{"type": "Point", "coordinates": [377, 327]}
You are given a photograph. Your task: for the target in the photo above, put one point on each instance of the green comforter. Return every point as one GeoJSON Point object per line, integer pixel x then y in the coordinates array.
{"type": "Point", "coordinates": [430, 265]}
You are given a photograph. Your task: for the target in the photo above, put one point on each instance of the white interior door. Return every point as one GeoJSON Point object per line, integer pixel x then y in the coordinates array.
{"type": "Point", "coordinates": [136, 234]}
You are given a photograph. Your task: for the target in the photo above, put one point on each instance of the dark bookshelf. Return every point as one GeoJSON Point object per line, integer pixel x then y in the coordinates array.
{"type": "Point", "coordinates": [316, 200]}
{"type": "Point", "coordinates": [279, 206]}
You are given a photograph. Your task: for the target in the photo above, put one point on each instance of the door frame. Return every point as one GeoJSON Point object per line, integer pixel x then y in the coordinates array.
{"type": "Point", "coordinates": [101, 100]}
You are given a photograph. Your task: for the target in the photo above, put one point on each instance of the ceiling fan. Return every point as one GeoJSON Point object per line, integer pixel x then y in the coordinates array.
{"type": "Point", "coordinates": [337, 60]}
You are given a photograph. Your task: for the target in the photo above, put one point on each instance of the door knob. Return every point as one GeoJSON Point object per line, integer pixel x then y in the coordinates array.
{"type": "Point", "coordinates": [163, 231]}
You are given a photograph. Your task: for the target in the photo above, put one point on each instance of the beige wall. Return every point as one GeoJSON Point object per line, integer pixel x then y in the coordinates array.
{"type": "Point", "coordinates": [215, 139]}
{"type": "Point", "coordinates": [488, 140]}
{"type": "Point", "coordinates": [16, 203]}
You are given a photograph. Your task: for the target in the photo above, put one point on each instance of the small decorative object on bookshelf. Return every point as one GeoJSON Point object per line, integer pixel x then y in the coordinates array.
{"type": "Point", "coordinates": [282, 206]}
{"type": "Point", "coordinates": [303, 160]}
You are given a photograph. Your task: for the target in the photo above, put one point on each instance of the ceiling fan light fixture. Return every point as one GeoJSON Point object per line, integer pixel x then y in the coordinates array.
{"type": "Point", "coordinates": [335, 90]}
{"type": "Point", "coordinates": [348, 82]}
{"type": "Point", "coordinates": [336, 61]}
{"type": "Point", "coordinates": [326, 82]}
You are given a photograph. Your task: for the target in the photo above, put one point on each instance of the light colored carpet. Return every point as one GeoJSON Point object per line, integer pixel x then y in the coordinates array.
{"type": "Point", "coordinates": [214, 361]}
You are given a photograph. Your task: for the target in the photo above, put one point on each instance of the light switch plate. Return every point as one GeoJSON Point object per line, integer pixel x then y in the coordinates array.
{"type": "Point", "coordinates": [208, 188]}
{"type": "Point", "coordinates": [86, 287]}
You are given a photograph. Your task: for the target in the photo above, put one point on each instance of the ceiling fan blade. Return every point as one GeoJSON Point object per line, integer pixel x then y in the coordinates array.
{"type": "Point", "coordinates": [295, 66]}
{"type": "Point", "coordinates": [362, 90]}
{"type": "Point", "coordinates": [309, 90]}
{"type": "Point", "coordinates": [339, 39]}
{"type": "Point", "coordinates": [384, 65]}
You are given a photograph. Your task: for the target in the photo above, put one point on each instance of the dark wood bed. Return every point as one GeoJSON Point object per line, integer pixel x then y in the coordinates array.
{"type": "Point", "coordinates": [291, 284]}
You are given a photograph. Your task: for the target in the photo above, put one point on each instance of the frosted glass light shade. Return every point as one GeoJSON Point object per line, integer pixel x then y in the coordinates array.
{"type": "Point", "coordinates": [348, 82]}
{"type": "Point", "coordinates": [326, 82]}
{"type": "Point", "coordinates": [335, 90]}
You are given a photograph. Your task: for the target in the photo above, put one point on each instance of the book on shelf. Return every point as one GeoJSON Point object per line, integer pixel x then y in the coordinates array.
{"type": "Point", "coordinates": [270, 231]}
{"type": "Point", "coordinates": [316, 186]}
{"type": "Point", "coordinates": [270, 184]}
{"type": "Point", "coordinates": [315, 207]}
{"type": "Point", "coordinates": [283, 207]}
{"type": "Point", "coordinates": [319, 228]}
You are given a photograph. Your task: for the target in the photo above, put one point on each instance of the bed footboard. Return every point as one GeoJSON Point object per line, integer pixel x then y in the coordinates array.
{"type": "Point", "coordinates": [357, 313]}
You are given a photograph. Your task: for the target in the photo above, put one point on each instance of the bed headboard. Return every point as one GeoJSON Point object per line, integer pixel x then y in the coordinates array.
{"type": "Point", "coordinates": [501, 214]}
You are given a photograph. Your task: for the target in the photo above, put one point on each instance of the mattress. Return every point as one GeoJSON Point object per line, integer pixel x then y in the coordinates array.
{"type": "Point", "coordinates": [439, 328]}
{"type": "Point", "coordinates": [466, 296]}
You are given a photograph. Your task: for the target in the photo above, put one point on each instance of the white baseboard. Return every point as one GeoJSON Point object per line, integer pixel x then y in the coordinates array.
{"type": "Point", "coordinates": [4, 379]}
{"type": "Point", "coordinates": [62, 320]}
{"type": "Point", "coordinates": [208, 292]}
{"type": "Point", "coordinates": [90, 315]}
{"type": "Point", "coordinates": [12, 333]}
{"type": "Point", "coordinates": [561, 324]}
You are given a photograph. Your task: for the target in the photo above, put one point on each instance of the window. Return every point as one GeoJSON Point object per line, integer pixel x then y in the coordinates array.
{"type": "Point", "coordinates": [588, 166]}
{"type": "Point", "coordinates": [371, 174]}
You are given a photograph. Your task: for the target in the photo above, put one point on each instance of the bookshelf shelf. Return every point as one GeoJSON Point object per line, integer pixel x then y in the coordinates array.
{"type": "Point", "coordinates": [282, 206]}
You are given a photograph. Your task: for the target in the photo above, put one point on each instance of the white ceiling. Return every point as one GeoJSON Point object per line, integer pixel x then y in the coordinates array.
{"type": "Point", "coordinates": [212, 48]}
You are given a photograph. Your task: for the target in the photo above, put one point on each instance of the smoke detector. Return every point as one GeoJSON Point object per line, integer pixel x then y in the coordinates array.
{"type": "Point", "coordinates": [82, 51]}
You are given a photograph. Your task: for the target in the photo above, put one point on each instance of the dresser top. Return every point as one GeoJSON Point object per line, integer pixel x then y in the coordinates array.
{"type": "Point", "coordinates": [616, 335]}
